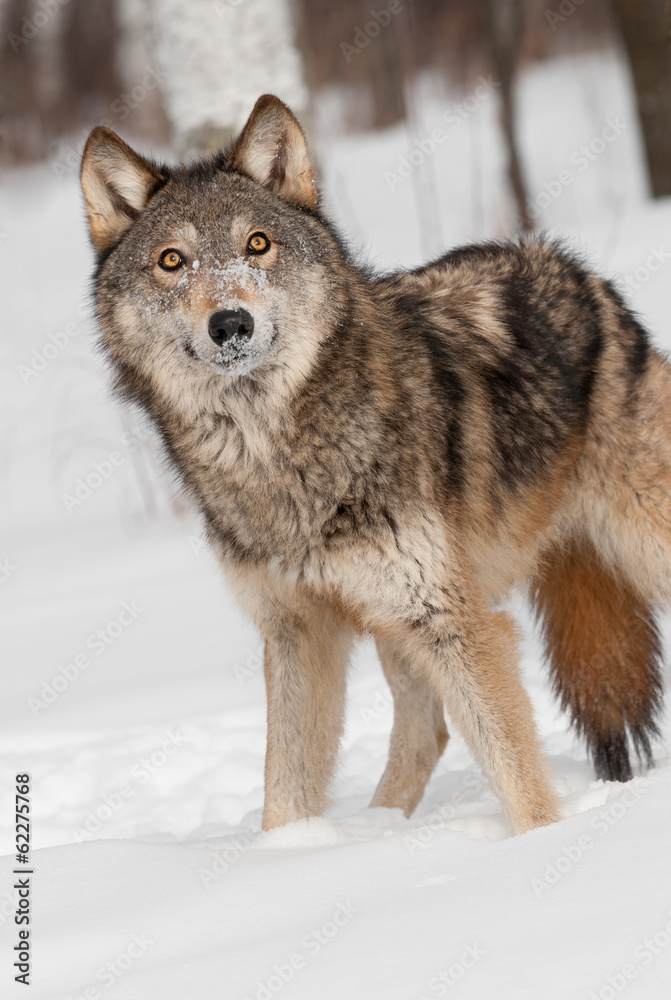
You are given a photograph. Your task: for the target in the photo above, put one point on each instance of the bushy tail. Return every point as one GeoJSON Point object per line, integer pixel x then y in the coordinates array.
{"type": "Point", "coordinates": [604, 653]}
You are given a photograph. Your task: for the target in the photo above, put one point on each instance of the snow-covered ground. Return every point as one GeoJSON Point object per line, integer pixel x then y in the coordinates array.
{"type": "Point", "coordinates": [133, 690]}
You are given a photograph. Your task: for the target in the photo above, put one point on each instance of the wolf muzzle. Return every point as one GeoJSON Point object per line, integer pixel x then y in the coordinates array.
{"type": "Point", "coordinates": [229, 324]}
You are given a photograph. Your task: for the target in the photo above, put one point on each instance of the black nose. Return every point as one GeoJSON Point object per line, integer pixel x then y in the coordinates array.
{"type": "Point", "coordinates": [231, 323]}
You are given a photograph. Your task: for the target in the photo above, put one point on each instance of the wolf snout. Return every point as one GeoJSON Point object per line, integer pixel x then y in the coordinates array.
{"type": "Point", "coordinates": [229, 323]}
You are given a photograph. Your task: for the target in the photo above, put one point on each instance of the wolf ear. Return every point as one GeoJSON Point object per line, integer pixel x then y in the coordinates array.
{"type": "Point", "coordinates": [272, 151]}
{"type": "Point", "coordinates": [117, 185]}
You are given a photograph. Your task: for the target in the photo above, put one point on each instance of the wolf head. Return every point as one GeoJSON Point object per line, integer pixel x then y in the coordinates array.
{"type": "Point", "coordinates": [220, 271]}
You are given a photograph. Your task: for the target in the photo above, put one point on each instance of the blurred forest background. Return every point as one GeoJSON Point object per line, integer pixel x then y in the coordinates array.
{"type": "Point", "coordinates": [182, 76]}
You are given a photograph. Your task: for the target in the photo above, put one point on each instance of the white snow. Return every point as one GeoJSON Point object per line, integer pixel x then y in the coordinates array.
{"type": "Point", "coordinates": [133, 689]}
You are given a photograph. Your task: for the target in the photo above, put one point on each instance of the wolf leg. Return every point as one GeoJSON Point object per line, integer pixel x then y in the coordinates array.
{"type": "Point", "coordinates": [305, 668]}
{"type": "Point", "coordinates": [604, 653]}
{"type": "Point", "coordinates": [469, 655]}
{"type": "Point", "coordinates": [418, 736]}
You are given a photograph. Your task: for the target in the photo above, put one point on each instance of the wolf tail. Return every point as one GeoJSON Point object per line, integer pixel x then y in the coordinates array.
{"type": "Point", "coordinates": [604, 654]}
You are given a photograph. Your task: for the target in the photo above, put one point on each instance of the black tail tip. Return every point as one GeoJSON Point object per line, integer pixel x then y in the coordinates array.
{"type": "Point", "coordinates": [611, 759]}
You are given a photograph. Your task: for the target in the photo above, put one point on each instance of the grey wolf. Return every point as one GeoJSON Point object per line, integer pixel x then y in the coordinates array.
{"type": "Point", "coordinates": [392, 454]}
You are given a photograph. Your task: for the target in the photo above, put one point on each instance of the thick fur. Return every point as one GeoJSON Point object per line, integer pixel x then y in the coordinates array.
{"type": "Point", "coordinates": [393, 455]}
{"type": "Point", "coordinates": [604, 651]}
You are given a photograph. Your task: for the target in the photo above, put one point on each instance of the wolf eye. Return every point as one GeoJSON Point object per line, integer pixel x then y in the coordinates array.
{"type": "Point", "coordinates": [170, 260]}
{"type": "Point", "coordinates": [258, 243]}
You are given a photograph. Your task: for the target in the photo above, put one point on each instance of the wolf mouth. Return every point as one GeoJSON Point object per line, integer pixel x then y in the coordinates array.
{"type": "Point", "coordinates": [219, 362]}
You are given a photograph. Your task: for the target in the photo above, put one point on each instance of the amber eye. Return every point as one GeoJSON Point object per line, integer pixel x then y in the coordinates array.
{"type": "Point", "coordinates": [170, 260]}
{"type": "Point", "coordinates": [258, 243]}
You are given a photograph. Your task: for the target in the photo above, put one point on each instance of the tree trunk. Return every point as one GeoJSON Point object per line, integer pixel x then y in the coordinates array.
{"type": "Point", "coordinates": [506, 22]}
{"type": "Point", "coordinates": [57, 72]}
{"type": "Point", "coordinates": [645, 28]}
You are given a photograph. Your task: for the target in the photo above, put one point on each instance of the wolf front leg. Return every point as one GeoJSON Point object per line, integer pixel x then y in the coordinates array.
{"type": "Point", "coordinates": [305, 669]}
{"type": "Point", "coordinates": [470, 659]}
{"type": "Point", "coordinates": [418, 736]}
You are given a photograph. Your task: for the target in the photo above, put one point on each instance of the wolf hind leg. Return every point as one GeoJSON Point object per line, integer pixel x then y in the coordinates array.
{"type": "Point", "coordinates": [469, 656]}
{"type": "Point", "coordinates": [603, 648]}
{"type": "Point", "coordinates": [419, 734]}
